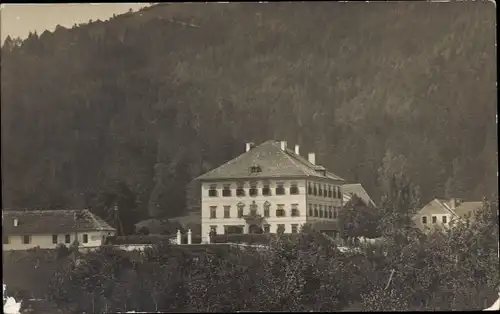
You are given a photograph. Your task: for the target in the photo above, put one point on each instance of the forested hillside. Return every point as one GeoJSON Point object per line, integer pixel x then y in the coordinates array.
{"type": "Point", "coordinates": [156, 97]}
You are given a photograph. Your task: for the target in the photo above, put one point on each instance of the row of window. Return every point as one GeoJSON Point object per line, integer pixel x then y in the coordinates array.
{"type": "Point", "coordinates": [444, 219]}
{"type": "Point", "coordinates": [266, 228]}
{"type": "Point", "coordinates": [280, 211]}
{"type": "Point", "coordinates": [324, 190]}
{"type": "Point", "coordinates": [27, 239]}
{"type": "Point", "coordinates": [313, 189]}
{"type": "Point", "coordinates": [322, 211]}
{"type": "Point", "coordinates": [315, 210]}
{"type": "Point", "coordinates": [253, 190]}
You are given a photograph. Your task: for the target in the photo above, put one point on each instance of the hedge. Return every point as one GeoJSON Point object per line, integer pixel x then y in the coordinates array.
{"type": "Point", "coordinates": [150, 239]}
{"type": "Point", "coordinates": [138, 239]}
{"type": "Point", "coordinates": [247, 238]}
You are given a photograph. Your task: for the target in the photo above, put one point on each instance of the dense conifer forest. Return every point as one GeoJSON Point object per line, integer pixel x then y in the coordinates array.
{"type": "Point", "coordinates": [154, 98]}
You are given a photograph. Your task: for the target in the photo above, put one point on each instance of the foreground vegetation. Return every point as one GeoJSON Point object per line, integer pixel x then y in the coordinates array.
{"type": "Point", "coordinates": [456, 269]}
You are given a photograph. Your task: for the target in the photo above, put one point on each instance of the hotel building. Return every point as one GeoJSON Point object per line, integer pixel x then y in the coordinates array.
{"type": "Point", "coordinates": [270, 189]}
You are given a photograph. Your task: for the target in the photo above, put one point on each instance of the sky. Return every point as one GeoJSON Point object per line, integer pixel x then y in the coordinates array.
{"type": "Point", "coordinates": [20, 19]}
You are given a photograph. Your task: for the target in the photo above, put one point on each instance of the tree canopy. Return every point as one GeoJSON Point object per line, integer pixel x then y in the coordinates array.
{"type": "Point", "coordinates": [444, 270]}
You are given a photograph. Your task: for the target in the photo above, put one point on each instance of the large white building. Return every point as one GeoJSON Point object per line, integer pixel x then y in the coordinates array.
{"type": "Point", "coordinates": [269, 189]}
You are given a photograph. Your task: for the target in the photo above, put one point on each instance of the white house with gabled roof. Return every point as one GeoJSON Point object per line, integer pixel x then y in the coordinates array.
{"type": "Point", "coordinates": [270, 189]}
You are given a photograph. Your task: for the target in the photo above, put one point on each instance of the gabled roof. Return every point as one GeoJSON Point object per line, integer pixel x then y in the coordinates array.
{"type": "Point", "coordinates": [460, 209]}
{"type": "Point", "coordinates": [52, 221]}
{"type": "Point", "coordinates": [357, 189]}
{"type": "Point", "coordinates": [273, 163]}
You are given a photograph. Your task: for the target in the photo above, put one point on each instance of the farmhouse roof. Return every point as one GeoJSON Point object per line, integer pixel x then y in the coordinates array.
{"type": "Point", "coordinates": [51, 221]}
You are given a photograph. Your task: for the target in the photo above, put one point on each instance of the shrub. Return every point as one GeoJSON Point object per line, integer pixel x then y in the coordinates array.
{"type": "Point", "coordinates": [242, 238]}
{"type": "Point", "coordinates": [140, 239]}
{"type": "Point", "coordinates": [62, 251]}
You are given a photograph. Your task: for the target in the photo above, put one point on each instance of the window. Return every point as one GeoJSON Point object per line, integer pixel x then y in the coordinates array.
{"type": "Point", "coordinates": [226, 192]}
{"type": "Point", "coordinates": [309, 189]}
{"type": "Point", "coordinates": [280, 212]}
{"type": "Point", "coordinates": [315, 189]}
{"type": "Point", "coordinates": [267, 228]}
{"type": "Point", "coordinates": [339, 193]}
{"type": "Point", "coordinates": [424, 220]}
{"type": "Point", "coordinates": [295, 228]}
{"type": "Point", "coordinates": [253, 209]}
{"type": "Point", "coordinates": [85, 238]}
{"type": "Point", "coordinates": [444, 219]}
{"type": "Point", "coordinates": [213, 212]}
{"type": "Point", "coordinates": [335, 213]}
{"type": "Point", "coordinates": [321, 213]}
{"type": "Point", "coordinates": [212, 192]}
{"type": "Point", "coordinates": [330, 193]}
{"type": "Point", "coordinates": [54, 239]}
{"type": "Point", "coordinates": [316, 213]}
{"type": "Point", "coordinates": [26, 239]}
{"type": "Point", "coordinates": [294, 189]}
{"type": "Point", "coordinates": [311, 212]}
{"type": "Point", "coordinates": [240, 190]}
{"type": "Point", "coordinates": [253, 189]}
{"type": "Point", "coordinates": [227, 211]}
{"type": "Point", "coordinates": [434, 219]}
{"type": "Point", "coordinates": [255, 169]}
{"type": "Point", "coordinates": [266, 209]}
{"type": "Point", "coordinates": [280, 190]}
{"type": "Point", "coordinates": [240, 210]}
{"type": "Point", "coordinates": [5, 239]}
{"type": "Point", "coordinates": [266, 190]}
{"type": "Point", "coordinates": [320, 190]}
{"type": "Point", "coordinates": [233, 229]}
{"type": "Point", "coordinates": [67, 238]}
{"type": "Point", "coordinates": [280, 229]}
{"type": "Point", "coordinates": [295, 210]}
{"type": "Point", "coordinates": [213, 229]}
{"type": "Point", "coordinates": [330, 212]}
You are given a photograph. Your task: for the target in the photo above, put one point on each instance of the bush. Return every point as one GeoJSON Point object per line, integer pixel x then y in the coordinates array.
{"type": "Point", "coordinates": [249, 238]}
{"type": "Point", "coordinates": [62, 251]}
{"type": "Point", "coordinates": [140, 239]}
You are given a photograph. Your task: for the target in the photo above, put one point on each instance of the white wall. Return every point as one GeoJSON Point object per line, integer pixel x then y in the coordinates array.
{"type": "Point", "coordinates": [287, 200]}
{"type": "Point", "coordinates": [324, 223]}
{"type": "Point", "coordinates": [44, 241]}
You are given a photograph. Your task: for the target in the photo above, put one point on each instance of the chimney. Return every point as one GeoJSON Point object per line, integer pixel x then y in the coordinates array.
{"type": "Point", "coordinates": [297, 150]}
{"type": "Point", "coordinates": [312, 158]}
{"type": "Point", "coordinates": [283, 145]}
{"type": "Point", "coordinates": [16, 222]}
{"type": "Point", "coordinates": [248, 147]}
{"type": "Point", "coordinates": [453, 203]}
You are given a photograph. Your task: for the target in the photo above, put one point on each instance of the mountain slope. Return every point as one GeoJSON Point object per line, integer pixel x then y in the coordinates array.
{"type": "Point", "coordinates": [156, 97]}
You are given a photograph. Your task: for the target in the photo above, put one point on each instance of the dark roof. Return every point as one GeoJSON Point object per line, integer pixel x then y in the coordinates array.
{"type": "Point", "coordinates": [273, 163]}
{"type": "Point", "coordinates": [52, 221]}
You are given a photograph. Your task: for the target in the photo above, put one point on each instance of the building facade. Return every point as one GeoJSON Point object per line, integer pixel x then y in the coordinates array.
{"type": "Point", "coordinates": [46, 229]}
{"type": "Point", "coordinates": [269, 189]}
{"type": "Point", "coordinates": [438, 213]}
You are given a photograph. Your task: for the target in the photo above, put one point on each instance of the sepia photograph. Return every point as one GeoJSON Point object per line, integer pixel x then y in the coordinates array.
{"type": "Point", "coordinates": [203, 157]}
